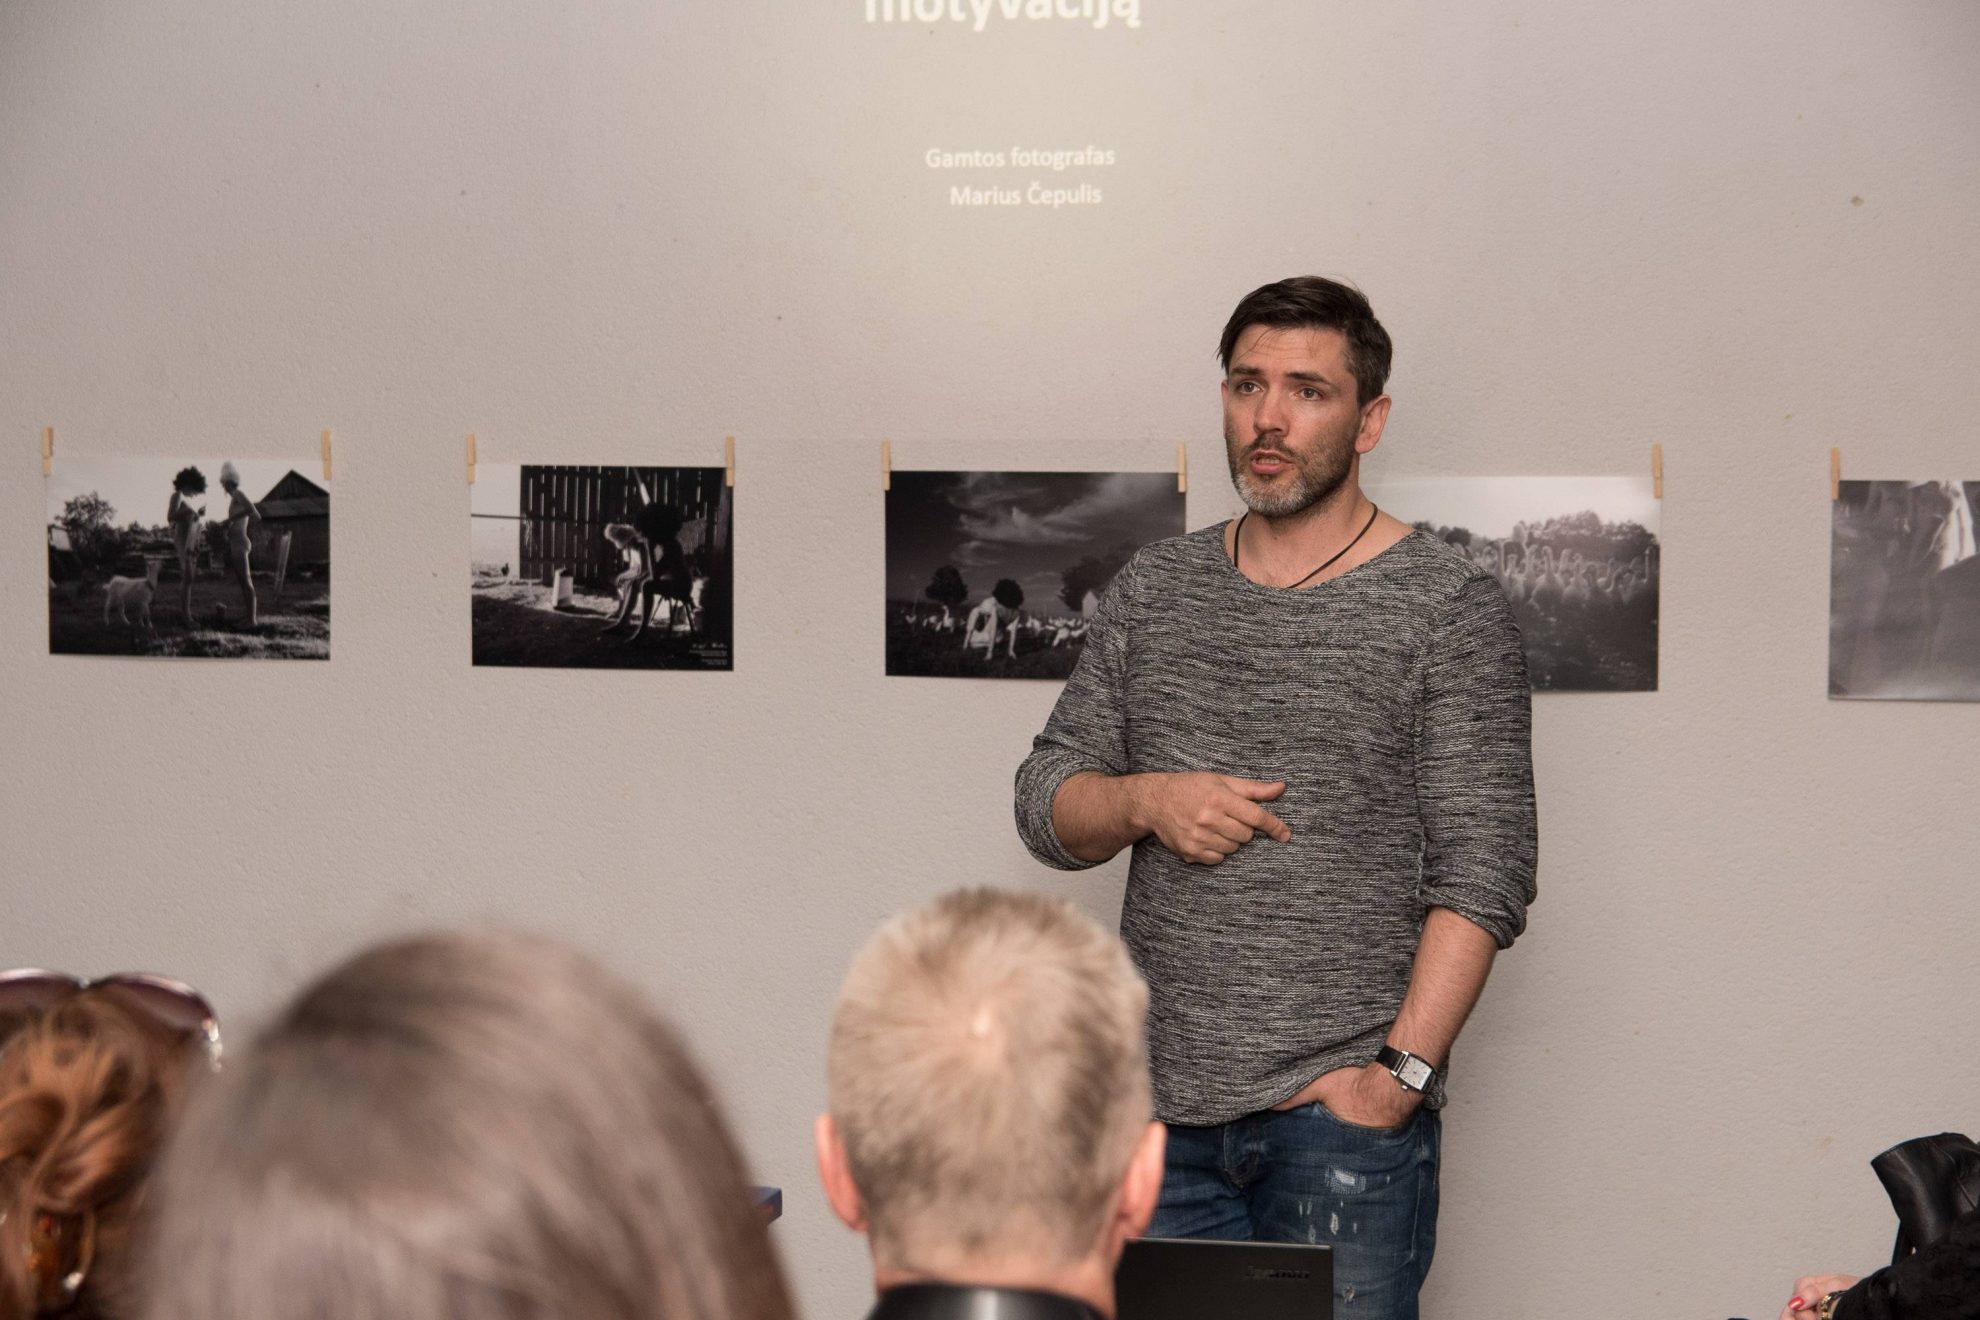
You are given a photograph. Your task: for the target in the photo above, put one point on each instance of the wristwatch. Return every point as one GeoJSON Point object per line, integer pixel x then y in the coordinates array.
{"type": "Point", "coordinates": [1412, 1072]}
{"type": "Point", "coordinates": [1826, 1308]}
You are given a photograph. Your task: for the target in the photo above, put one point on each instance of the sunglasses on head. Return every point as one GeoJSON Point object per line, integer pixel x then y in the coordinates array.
{"type": "Point", "coordinates": [174, 1003]}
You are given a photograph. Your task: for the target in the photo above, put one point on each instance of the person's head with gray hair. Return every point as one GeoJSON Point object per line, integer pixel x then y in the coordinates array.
{"type": "Point", "coordinates": [461, 1127]}
{"type": "Point", "coordinates": [230, 476]}
{"type": "Point", "coordinates": [990, 1115]}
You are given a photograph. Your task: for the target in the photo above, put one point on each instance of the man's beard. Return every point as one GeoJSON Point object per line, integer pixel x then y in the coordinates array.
{"type": "Point", "coordinates": [1315, 475]}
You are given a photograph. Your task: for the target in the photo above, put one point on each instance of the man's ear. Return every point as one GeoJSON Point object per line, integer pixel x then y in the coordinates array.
{"type": "Point", "coordinates": [1141, 1186]}
{"type": "Point", "coordinates": [1373, 418]}
{"type": "Point", "coordinates": [841, 1193]}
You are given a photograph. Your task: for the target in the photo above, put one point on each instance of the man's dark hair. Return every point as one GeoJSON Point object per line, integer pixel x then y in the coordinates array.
{"type": "Point", "coordinates": [1312, 302]}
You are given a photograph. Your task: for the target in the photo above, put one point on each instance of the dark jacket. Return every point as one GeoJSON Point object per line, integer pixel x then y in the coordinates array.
{"type": "Point", "coordinates": [943, 1301]}
{"type": "Point", "coordinates": [1936, 1282]}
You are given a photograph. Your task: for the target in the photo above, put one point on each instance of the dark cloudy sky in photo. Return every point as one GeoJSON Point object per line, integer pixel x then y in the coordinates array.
{"type": "Point", "coordinates": [1030, 526]}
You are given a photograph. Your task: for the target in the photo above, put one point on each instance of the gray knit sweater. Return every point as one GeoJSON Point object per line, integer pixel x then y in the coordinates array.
{"type": "Point", "coordinates": [1393, 701]}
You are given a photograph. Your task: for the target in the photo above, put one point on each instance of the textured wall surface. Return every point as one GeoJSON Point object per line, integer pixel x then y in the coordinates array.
{"type": "Point", "coordinates": [618, 231]}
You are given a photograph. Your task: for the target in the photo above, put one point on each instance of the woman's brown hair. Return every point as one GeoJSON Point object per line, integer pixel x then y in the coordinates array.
{"type": "Point", "coordinates": [456, 1127]}
{"type": "Point", "coordinates": [89, 1089]}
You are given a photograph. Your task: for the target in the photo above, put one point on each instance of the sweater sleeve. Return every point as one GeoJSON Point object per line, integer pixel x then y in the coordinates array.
{"type": "Point", "coordinates": [1474, 765]}
{"type": "Point", "coordinates": [1935, 1282]}
{"type": "Point", "coordinates": [1087, 730]}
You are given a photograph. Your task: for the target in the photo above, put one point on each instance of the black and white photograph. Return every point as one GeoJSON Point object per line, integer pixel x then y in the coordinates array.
{"type": "Point", "coordinates": [996, 574]}
{"type": "Point", "coordinates": [1578, 557]}
{"type": "Point", "coordinates": [582, 567]}
{"type": "Point", "coordinates": [1904, 591]}
{"type": "Point", "coordinates": [217, 558]}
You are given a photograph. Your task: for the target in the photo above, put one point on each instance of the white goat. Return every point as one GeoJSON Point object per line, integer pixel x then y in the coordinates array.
{"type": "Point", "coordinates": [128, 593]}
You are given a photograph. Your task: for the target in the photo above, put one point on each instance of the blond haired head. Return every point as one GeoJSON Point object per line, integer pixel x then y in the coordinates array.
{"type": "Point", "coordinates": [988, 1081]}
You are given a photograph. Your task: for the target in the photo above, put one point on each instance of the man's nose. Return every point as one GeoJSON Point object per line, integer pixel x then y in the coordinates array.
{"type": "Point", "coordinates": [1270, 416]}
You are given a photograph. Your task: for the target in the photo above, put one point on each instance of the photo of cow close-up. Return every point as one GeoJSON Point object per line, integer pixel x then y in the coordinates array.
{"type": "Point", "coordinates": [996, 574]}
{"type": "Point", "coordinates": [210, 558]}
{"type": "Point", "coordinates": [592, 567]}
{"type": "Point", "coordinates": [1578, 557]}
{"type": "Point", "coordinates": [1904, 594]}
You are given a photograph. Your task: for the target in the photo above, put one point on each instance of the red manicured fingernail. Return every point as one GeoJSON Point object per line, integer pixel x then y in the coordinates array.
{"type": "Point", "coordinates": [1794, 1303]}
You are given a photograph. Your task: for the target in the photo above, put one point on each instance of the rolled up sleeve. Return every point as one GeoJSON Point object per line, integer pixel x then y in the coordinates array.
{"type": "Point", "coordinates": [1087, 730]}
{"type": "Point", "coordinates": [1474, 765]}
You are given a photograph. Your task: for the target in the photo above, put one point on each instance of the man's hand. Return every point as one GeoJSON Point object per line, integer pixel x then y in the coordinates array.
{"type": "Point", "coordinates": [1367, 1097]}
{"type": "Point", "coordinates": [1200, 817]}
{"type": "Point", "coordinates": [1204, 818]}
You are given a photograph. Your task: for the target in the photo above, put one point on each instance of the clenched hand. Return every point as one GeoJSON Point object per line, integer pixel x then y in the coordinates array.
{"type": "Point", "coordinates": [1204, 818]}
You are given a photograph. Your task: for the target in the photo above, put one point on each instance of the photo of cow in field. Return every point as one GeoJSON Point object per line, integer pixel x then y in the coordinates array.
{"type": "Point", "coordinates": [995, 574]}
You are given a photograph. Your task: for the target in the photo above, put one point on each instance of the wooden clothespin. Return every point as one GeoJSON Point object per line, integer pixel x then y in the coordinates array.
{"type": "Point", "coordinates": [1835, 474]}
{"type": "Point", "coordinates": [1182, 467]}
{"type": "Point", "coordinates": [326, 456]}
{"type": "Point", "coordinates": [470, 458]}
{"type": "Point", "coordinates": [729, 458]}
{"type": "Point", "coordinates": [1657, 471]}
{"type": "Point", "coordinates": [886, 465]}
{"type": "Point", "coordinates": [47, 450]}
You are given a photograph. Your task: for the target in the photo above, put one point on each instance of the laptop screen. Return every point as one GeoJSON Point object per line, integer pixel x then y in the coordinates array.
{"type": "Point", "coordinates": [1203, 1279]}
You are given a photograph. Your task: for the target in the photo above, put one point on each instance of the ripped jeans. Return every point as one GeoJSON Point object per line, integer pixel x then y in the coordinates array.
{"type": "Point", "coordinates": [1306, 1176]}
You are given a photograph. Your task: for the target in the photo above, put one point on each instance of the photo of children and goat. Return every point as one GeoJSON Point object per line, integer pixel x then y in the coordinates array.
{"type": "Point", "coordinates": [1904, 594]}
{"type": "Point", "coordinates": [995, 574]}
{"type": "Point", "coordinates": [601, 567]}
{"type": "Point", "coordinates": [1578, 557]}
{"type": "Point", "coordinates": [217, 558]}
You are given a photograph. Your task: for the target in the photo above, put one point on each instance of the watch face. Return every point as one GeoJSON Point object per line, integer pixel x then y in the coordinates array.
{"type": "Point", "coordinates": [1415, 1073]}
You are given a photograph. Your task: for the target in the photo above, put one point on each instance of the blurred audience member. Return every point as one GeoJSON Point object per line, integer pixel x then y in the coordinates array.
{"type": "Point", "coordinates": [461, 1127]}
{"type": "Point", "coordinates": [91, 1080]}
{"type": "Point", "coordinates": [990, 1128]}
{"type": "Point", "coordinates": [1939, 1281]}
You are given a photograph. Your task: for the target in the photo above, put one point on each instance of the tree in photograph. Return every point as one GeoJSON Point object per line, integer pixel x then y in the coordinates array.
{"type": "Point", "coordinates": [1594, 539]}
{"type": "Point", "coordinates": [91, 523]}
{"type": "Point", "coordinates": [947, 589]}
{"type": "Point", "coordinates": [1448, 535]}
{"type": "Point", "coordinates": [86, 512]}
{"type": "Point", "coordinates": [1093, 573]}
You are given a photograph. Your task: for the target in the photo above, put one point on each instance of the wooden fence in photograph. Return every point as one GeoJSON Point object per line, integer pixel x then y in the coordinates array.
{"type": "Point", "coordinates": [564, 511]}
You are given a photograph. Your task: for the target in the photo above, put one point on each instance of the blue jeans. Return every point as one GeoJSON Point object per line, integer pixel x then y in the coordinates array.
{"type": "Point", "coordinates": [1306, 1176]}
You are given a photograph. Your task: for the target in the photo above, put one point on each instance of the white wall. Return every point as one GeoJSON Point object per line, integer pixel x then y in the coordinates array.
{"type": "Point", "coordinates": [618, 231]}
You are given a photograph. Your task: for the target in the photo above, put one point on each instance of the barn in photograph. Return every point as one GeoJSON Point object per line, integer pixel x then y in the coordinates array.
{"type": "Point", "coordinates": [299, 506]}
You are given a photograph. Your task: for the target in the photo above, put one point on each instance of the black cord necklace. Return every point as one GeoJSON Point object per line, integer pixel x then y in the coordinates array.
{"type": "Point", "coordinates": [1237, 541]}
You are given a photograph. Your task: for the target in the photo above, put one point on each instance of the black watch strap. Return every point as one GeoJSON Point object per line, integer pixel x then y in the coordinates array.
{"type": "Point", "coordinates": [1413, 1072]}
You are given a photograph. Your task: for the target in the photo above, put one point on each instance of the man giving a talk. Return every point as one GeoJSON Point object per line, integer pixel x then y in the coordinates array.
{"type": "Point", "coordinates": [1312, 726]}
